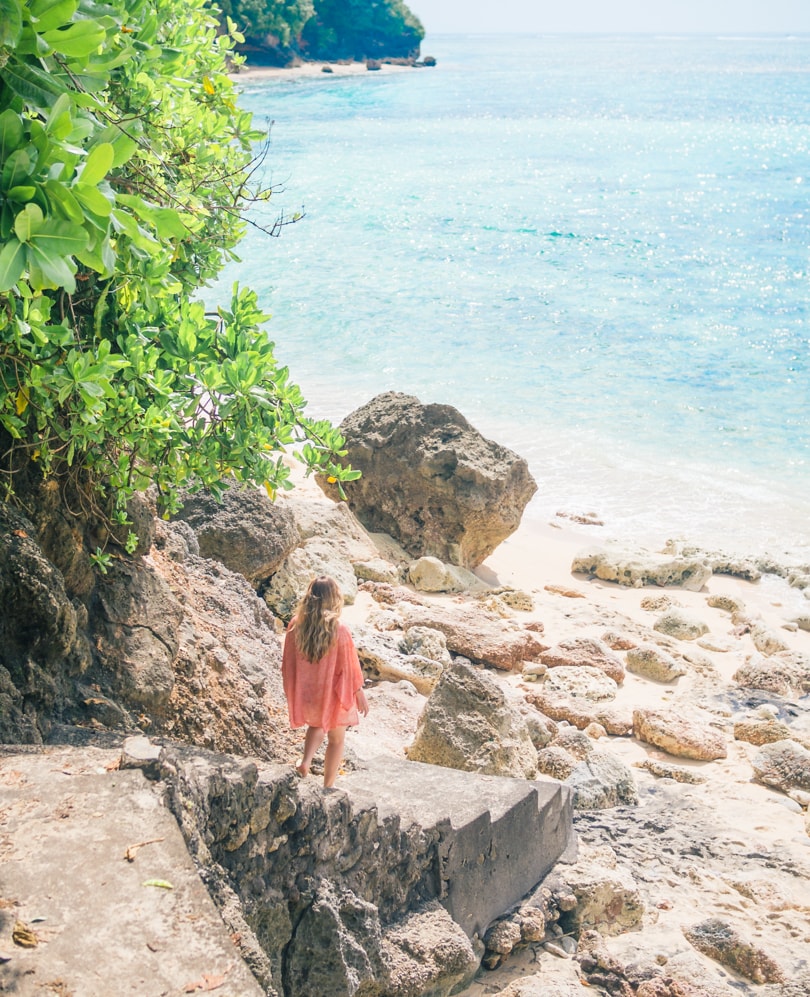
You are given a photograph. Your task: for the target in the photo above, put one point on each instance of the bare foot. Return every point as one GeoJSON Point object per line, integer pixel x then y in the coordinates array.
{"type": "Point", "coordinates": [302, 770]}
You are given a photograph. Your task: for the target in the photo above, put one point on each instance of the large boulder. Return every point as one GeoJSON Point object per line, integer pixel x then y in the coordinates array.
{"type": "Point", "coordinates": [431, 481]}
{"type": "Point", "coordinates": [468, 724]}
{"type": "Point", "coordinates": [244, 530]}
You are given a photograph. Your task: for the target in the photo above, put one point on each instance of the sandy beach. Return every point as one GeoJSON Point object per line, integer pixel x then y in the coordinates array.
{"type": "Point", "coordinates": [751, 863]}
{"type": "Point", "coordinates": [308, 70]}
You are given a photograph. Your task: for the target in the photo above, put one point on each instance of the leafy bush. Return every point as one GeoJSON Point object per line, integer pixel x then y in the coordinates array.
{"type": "Point", "coordinates": [125, 169]}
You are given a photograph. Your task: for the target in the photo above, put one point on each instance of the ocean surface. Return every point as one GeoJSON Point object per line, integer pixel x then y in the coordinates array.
{"type": "Point", "coordinates": [596, 247]}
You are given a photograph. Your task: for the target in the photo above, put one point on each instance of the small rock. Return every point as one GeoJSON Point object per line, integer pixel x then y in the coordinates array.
{"type": "Point", "coordinates": [680, 625]}
{"type": "Point", "coordinates": [652, 662]}
{"type": "Point", "coordinates": [677, 735]}
{"type": "Point", "coordinates": [719, 940]}
{"type": "Point", "coordinates": [785, 765]}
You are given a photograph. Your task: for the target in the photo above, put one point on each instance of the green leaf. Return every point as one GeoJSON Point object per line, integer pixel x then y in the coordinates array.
{"type": "Point", "coordinates": [12, 132]}
{"type": "Point", "coordinates": [10, 23]}
{"type": "Point", "coordinates": [27, 222]}
{"type": "Point", "coordinates": [53, 14]}
{"type": "Point", "coordinates": [12, 264]}
{"type": "Point", "coordinates": [92, 199]}
{"type": "Point", "coordinates": [60, 238]}
{"type": "Point", "coordinates": [21, 194]}
{"type": "Point", "coordinates": [30, 83]}
{"type": "Point", "coordinates": [79, 39]}
{"type": "Point", "coordinates": [98, 164]}
{"type": "Point", "coordinates": [16, 169]}
{"type": "Point", "coordinates": [55, 269]}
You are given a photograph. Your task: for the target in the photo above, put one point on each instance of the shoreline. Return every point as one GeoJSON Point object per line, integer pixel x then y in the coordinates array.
{"type": "Point", "coordinates": [310, 70]}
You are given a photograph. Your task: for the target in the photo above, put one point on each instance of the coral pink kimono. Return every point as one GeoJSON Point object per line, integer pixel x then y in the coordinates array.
{"type": "Point", "coordinates": [321, 694]}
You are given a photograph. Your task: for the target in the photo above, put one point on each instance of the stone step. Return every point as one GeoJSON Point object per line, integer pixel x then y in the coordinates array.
{"type": "Point", "coordinates": [96, 866]}
{"type": "Point", "coordinates": [498, 836]}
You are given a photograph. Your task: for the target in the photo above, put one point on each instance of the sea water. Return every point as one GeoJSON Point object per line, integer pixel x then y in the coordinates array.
{"type": "Point", "coordinates": [595, 247]}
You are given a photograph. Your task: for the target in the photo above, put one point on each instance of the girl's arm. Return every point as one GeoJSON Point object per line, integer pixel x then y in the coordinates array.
{"type": "Point", "coordinates": [362, 702]}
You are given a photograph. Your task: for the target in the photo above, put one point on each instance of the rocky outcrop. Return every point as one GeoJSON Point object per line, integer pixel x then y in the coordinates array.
{"type": "Point", "coordinates": [432, 481]}
{"type": "Point", "coordinates": [468, 724]}
{"type": "Point", "coordinates": [245, 530]}
{"type": "Point", "coordinates": [637, 567]}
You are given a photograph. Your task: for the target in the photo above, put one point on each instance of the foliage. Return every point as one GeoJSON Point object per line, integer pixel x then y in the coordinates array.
{"type": "Point", "coordinates": [281, 19]}
{"type": "Point", "coordinates": [125, 169]}
{"type": "Point", "coordinates": [330, 29]}
{"type": "Point", "coordinates": [359, 29]}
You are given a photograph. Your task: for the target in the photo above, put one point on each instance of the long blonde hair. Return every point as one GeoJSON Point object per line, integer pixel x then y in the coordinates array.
{"type": "Point", "coordinates": [316, 619]}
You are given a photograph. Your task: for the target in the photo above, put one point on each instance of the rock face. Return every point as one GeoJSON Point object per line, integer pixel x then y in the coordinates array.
{"type": "Point", "coordinates": [432, 481]}
{"type": "Point", "coordinates": [467, 724]}
{"type": "Point", "coordinates": [245, 531]}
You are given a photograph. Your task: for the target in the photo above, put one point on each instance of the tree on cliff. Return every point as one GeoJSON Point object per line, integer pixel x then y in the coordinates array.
{"type": "Point", "coordinates": [125, 170]}
{"type": "Point", "coordinates": [328, 29]}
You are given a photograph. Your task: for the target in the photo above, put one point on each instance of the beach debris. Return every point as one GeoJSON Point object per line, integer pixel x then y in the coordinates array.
{"type": "Point", "coordinates": [162, 884]}
{"type": "Point", "coordinates": [132, 851]}
{"type": "Point", "coordinates": [24, 935]}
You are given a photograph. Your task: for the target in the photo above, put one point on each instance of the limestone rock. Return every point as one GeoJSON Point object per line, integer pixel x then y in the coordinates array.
{"type": "Point", "coordinates": [678, 735]}
{"type": "Point", "coordinates": [246, 532]}
{"type": "Point", "coordinates": [427, 643]}
{"type": "Point", "coordinates": [598, 779]}
{"type": "Point", "coordinates": [664, 770]}
{"type": "Point", "coordinates": [719, 940]}
{"type": "Point", "coordinates": [654, 663]}
{"type": "Point", "coordinates": [136, 632]}
{"type": "Point", "coordinates": [314, 557]}
{"type": "Point", "coordinates": [585, 651]}
{"type": "Point", "coordinates": [38, 632]}
{"type": "Point", "coordinates": [581, 713]}
{"type": "Point", "coordinates": [683, 626]}
{"type": "Point", "coordinates": [541, 986]}
{"type": "Point", "coordinates": [382, 658]}
{"type": "Point", "coordinates": [427, 953]}
{"type": "Point", "coordinates": [784, 765]}
{"type": "Point", "coordinates": [786, 673]}
{"type": "Point", "coordinates": [477, 635]}
{"type": "Point", "coordinates": [468, 724]}
{"type": "Point", "coordinates": [759, 731]}
{"type": "Point", "coordinates": [615, 563]}
{"type": "Point", "coordinates": [608, 898]}
{"type": "Point", "coordinates": [727, 603]}
{"type": "Point", "coordinates": [581, 683]}
{"type": "Point", "coordinates": [429, 574]}
{"type": "Point", "coordinates": [766, 641]}
{"type": "Point", "coordinates": [337, 946]}
{"type": "Point", "coordinates": [432, 481]}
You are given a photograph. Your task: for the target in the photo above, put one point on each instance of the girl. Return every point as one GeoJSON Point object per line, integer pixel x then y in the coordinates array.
{"type": "Point", "coordinates": [323, 681]}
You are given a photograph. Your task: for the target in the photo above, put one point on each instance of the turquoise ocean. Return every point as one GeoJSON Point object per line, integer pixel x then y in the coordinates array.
{"type": "Point", "coordinates": [596, 247]}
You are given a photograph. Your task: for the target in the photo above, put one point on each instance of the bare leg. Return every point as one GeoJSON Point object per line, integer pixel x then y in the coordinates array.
{"type": "Point", "coordinates": [334, 755]}
{"type": "Point", "coordinates": [312, 742]}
